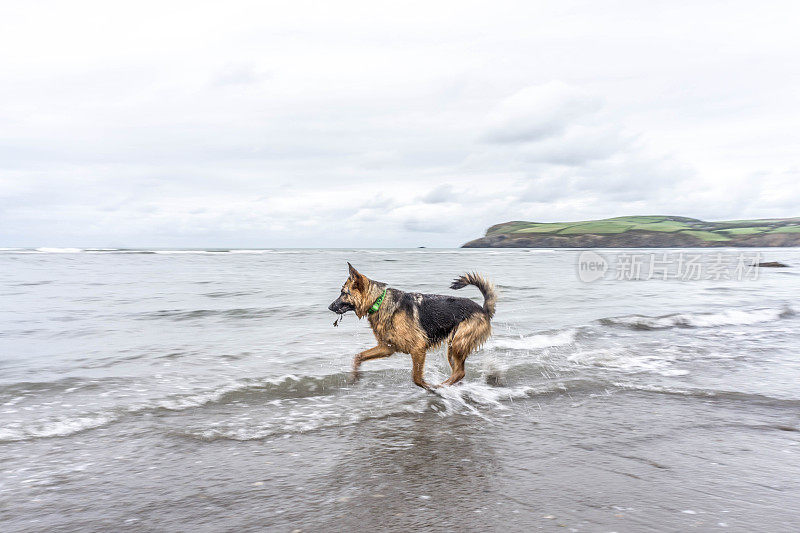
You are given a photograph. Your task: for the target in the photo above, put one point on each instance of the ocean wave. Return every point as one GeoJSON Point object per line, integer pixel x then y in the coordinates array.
{"type": "Point", "coordinates": [182, 252]}
{"type": "Point", "coordinates": [535, 342]}
{"type": "Point", "coordinates": [116, 251]}
{"type": "Point", "coordinates": [211, 251]}
{"type": "Point", "coordinates": [288, 386]}
{"type": "Point", "coordinates": [64, 385]}
{"type": "Point", "coordinates": [720, 394]}
{"type": "Point", "coordinates": [73, 250]}
{"type": "Point", "coordinates": [53, 427]}
{"type": "Point", "coordinates": [296, 404]}
{"type": "Point", "coordinates": [728, 317]}
{"type": "Point", "coordinates": [193, 314]}
{"type": "Point", "coordinates": [48, 250]}
{"type": "Point", "coordinates": [246, 390]}
{"type": "Point", "coordinates": [229, 294]}
{"type": "Point", "coordinates": [255, 409]}
{"type": "Point", "coordinates": [472, 396]}
{"type": "Point", "coordinates": [622, 359]}
{"type": "Point", "coordinates": [467, 399]}
{"type": "Point", "coordinates": [264, 390]}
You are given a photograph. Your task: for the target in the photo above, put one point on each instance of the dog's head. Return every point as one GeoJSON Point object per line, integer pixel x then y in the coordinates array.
{"type": "Point", "coordinates": [354, 294]}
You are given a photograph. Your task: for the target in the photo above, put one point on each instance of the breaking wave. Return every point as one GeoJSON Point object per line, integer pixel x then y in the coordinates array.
{"type": "Point", "coordinates": [468, 399]}
{"type": "Point", "coordinates": [300, 403]}
{"type": "Point", "coordinates": [584, 359]}
{"type": "Point", "coordinates": [260, 408]}
{"type": "Point", "coordinates": [622, 359]}
{"type": "Point", "coordinates": [70, 250]}
{"type": "Point", "coordinates": [53, 427]}
{"type": "Point", "coordinates": [728, 317]}
{"type": "Point", "coordinates": [537, 341]}
{"type": "Point", "coordinates": [59, 250]}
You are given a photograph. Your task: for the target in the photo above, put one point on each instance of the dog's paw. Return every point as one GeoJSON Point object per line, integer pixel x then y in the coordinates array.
{"type": "Point", "coordinates": [353, 377]}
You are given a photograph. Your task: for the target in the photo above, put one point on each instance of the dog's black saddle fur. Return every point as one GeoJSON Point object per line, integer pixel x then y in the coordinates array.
{"type": "Point", "coordinates": [438, 314]}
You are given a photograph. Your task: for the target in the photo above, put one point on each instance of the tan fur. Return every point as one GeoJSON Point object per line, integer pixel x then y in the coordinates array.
{"type": "Point", "coordinates": [467, 337]}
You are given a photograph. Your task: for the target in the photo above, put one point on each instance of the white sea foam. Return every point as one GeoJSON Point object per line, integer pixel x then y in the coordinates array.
{"type": "Point", "coordinates": [535, 342]}
{"type": "Point", "coordinates": [180, 252]}
{"type": "Point", "coordinates": [70, 424]}
{"type": "Point", "coordinates": [470, 396]}
{"type": "Point", "coordinates": [250, 251]}
{"type": "Point", "coordinates": [733, 317]}
{"type": "Point", "coordinates": [621, 358]}
{"type": "Point", "coordinates": [53, 427]}
{"type": "Point", "coordinates": [201, 398]}
{"type": "Point", "coordinates": [727, 317]}
{"type": "Point", "coordinates": [209, 252]}
{"type": "Point", "coordinates": [299, 415]}
{"type": "Point", "coordinates": [59, 250]}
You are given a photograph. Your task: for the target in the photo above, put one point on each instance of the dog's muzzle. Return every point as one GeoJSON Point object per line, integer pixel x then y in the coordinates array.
{"type": "Point", "coordinates": [339, 307]}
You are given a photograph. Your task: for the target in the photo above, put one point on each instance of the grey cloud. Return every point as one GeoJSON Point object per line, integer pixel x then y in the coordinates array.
{"type": "Point", "coordinates": [627, 179]}
{"type": "Point", "coordinates": [538, 112]}
{"type": "Point", "coordinates": [442, 193]}
{"type": "Point", "coordinates": [579, 146]}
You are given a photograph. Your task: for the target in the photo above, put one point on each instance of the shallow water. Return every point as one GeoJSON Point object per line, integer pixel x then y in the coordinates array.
{"type": "Point", "coordinates": [207, 390]}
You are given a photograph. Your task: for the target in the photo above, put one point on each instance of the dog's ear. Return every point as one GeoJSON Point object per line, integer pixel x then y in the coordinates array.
{"type": "Point", "coordinates": [353, 272]}
{"type": "Point", "coordinates": [359, 280]}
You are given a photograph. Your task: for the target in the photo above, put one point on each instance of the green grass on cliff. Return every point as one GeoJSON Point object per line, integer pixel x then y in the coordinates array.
{"type": "Point", "coordinates": [707, 235]}
{"type": "Point", "coordinates": [707, 231]}
{"type": "Point", "coordinates": [747, 231]}
{"type": "Point", "coordinates": [787, 229]}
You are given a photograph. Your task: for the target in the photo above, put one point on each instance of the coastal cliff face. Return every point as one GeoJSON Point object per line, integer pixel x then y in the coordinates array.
{"type": "Point", "coordinates": [642, 232]}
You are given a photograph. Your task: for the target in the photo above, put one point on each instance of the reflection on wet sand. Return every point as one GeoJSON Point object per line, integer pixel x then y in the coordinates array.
{"type": "Point", "coordinates": [402, 475]}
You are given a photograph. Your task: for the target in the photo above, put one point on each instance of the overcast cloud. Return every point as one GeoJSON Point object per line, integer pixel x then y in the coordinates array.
{"type": "Point", "coordinates": [259, 124]}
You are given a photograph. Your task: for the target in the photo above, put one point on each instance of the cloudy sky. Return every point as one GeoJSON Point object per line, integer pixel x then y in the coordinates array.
{"type": "Point", "coordinates": [261, 124]}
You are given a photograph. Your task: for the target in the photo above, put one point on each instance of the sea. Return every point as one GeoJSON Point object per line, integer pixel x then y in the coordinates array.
{"type": "Point", "coordinates": [207, 390]}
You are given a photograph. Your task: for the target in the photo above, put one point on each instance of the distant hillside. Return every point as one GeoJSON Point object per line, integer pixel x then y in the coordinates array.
{"type": "Point", "coordinates": [642, 232]}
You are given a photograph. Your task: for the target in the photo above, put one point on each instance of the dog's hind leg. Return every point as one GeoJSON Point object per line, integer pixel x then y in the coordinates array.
{"type": "Point", "coordinates": [450, 355]}
{"type": "Point", "coordinates": [456, 360]}
{"type": "Point", "coordinates": [468, 336]}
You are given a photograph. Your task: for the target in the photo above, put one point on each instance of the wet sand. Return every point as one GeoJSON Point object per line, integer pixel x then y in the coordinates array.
{"type": "Point", "coordinates": [627, 461]}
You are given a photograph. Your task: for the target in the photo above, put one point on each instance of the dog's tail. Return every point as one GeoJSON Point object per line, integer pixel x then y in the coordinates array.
{"type": "Point", "coordinates": [483, 284]}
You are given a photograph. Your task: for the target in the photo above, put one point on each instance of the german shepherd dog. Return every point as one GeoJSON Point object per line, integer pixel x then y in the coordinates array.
{"type": "Point", "coordinates": [413, 323]}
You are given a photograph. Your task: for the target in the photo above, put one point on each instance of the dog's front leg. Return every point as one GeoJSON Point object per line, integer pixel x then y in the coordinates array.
{"type": "Point", "coordinates": [381, 350]}
{"type": "Point", "coordinates": [418, 370]}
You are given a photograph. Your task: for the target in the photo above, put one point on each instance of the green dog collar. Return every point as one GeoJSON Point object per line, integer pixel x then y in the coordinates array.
{"type": "Point", "coordinates": [377, 304]}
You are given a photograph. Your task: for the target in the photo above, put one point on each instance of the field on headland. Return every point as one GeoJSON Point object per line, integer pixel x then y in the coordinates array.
{"type": "Point", "coordinates": [642, 231]}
